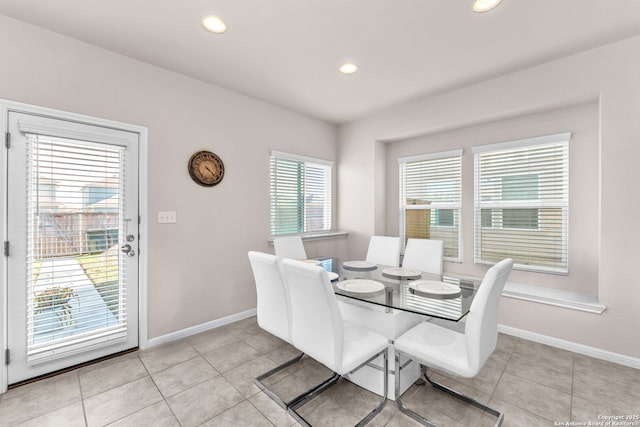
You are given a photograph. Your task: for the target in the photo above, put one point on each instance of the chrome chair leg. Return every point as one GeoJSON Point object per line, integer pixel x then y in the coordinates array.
{"type": "Point", "coordinates": [467, 399]}
{"type": "Point", "coordinates": [259, 381]}
{"type": "Point", "coordinates": [385, 373]}
{"type": "Point", "coordinates": [303, 399]}
{"type": "Point", "coordinates": [305, 396]}
{"type": "Point", "coordinates": [309, 395]}
{"type": "Point", "coordinates": [403, 408]}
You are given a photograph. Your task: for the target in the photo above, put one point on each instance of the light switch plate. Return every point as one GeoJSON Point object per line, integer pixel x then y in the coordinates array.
{"type": "Point", "coordinates": [166, 217]}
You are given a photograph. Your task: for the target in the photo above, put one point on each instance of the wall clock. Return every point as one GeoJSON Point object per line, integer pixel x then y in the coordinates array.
{"type": "Point", "coordinates": [206, 168]}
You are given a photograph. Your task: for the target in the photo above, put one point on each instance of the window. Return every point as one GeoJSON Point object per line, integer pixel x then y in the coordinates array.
{"type": "Point", "coordinates": [430, 199]}
{"type": "Point", "coordinates": [522, 202]}
{"type": "Point", "coordinates": [300, 194]}
{"type": "Point", "coordinates": [515, 187]}
{"type": "Point", "coordinates": [520, 187]}
{"type": "Point", "coordinates": [443, 217]}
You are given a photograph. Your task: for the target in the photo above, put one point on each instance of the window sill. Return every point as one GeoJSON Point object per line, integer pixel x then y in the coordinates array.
{"type": "Point", "coordinates": [317, 236]}
{"type": "Point", "coordinates": [556, 297]}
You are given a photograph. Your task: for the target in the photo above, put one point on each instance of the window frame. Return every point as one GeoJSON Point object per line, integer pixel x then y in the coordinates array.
{"type": "Point", "coordinates": [561, 203]}
{"type": "Point", "coordinates": [327, 189]}
{"type": "Point", "coordinates": [454, 206]}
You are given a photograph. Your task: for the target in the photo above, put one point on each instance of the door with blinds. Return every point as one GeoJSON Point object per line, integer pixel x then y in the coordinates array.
{"type": "Point", "coordinates": [72, 213]}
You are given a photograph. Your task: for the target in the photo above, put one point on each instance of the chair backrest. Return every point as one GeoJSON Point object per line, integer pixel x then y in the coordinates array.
{"type": "Point", "coordinates": [384, 250]}
{"type": "Point", "coordinates": [424, 255]}
{"type": "Point", "coordinates": [317, 328]}
{"type": "Point", "coordinates": [481, 329]}
{"type": "Point", "coordinates": [290, 247]}
{"type": "Point", "coordinates": [273, 305]}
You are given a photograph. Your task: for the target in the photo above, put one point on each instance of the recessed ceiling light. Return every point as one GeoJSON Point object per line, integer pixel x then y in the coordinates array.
{"type": "Point", "coordinates": [214, 24]}
{"type": "Point", "coordinates": [348, 68]}
{"type": "Point", "coordinates": [484, 5]}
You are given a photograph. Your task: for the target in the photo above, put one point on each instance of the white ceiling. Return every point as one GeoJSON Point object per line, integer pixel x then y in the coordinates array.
{"type": "Point", "coordinates": [287, 52]}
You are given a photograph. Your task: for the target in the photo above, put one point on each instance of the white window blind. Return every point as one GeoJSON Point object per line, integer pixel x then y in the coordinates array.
{"type": "Point", "coordinates": [522, 202]}
{"type": "Point", "coordinates": [430, 188]}
{"type": "Point", "coordinates": [75, 275]}
{"type": "Point", "coordinates": [300, 194]}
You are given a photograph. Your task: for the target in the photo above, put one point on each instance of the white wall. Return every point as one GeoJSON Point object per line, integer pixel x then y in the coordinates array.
{"type": "Point", "coordinates": [609, 74]}
{"type": "Point", "coordinates": [198, 268]}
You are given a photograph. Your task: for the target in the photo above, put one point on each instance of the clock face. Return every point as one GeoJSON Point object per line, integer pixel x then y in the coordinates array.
{"type": "Point", "coordinates": [206, 168]}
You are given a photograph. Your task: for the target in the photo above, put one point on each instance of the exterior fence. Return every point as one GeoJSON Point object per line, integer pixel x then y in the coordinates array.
{"type": "Point", "coordinates": [71, 233]}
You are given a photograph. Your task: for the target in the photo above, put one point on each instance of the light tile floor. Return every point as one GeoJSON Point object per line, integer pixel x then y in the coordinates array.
{"type": "Point", "coordinates": [207, 380]}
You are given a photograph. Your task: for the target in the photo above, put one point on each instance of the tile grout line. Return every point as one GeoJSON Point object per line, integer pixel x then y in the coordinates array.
{"type": "Point", "coordinates": [535, 381]}
{"type": "Point", "coordinates": [244, 399]}
{"type": "Point", "coordinates": [234, 406]}
{"type": "Point", "coordinates": [61, 407]}
{"type": "Point", "coordinates": [505, 371]}
{"type": "Point", "coordinates": [84, 409]}
{"type": "Point", "coordinates": [110, 388]}
{"type": "Point", "coordinates": [526, 379]}
{"type": "Point", "coordinates": [214, 368]}
{"type": "Point", "coordinates": [263, 414]}
{"type": "Point", "coordinates": [221, 374]}
{"type": "Point", "coordinates": [164, 398]}
{"type": "Point", "coordinates": [248, 399]}
{"type": "Point", "coordinates": [573, 375]}
{"type": "Point", "coordinates": [493, 392]}
{"type": "Point", "coordinates": [129, 382]}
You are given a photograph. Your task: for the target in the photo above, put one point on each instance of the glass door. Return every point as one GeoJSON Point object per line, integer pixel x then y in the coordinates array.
{"type": "Point", "coordinates": [73, 253]}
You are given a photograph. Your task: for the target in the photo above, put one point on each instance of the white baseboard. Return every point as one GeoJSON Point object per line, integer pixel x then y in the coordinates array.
{"type": "Point", "coordinates": [609, 356]}
{"type": "Point", "coordinates": [203, 327]}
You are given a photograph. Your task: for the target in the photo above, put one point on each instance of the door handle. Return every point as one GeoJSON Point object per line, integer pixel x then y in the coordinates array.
{"type": "Point", "coordinates": [127, 249]}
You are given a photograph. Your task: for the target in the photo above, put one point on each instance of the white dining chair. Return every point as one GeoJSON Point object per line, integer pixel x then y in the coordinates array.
{"type": "Point", "coordinates": [424, 255]}
{"type": "Point", "coordinates": [289, 247]}
{"type": "Point", "coordinates": [319, 330]}
{"type": "Point", "coordinates": [384, 250]}
{"type": "Point", "coordinates": [273, 312]}
{"type": "Point", "coordinates": [462, 354]}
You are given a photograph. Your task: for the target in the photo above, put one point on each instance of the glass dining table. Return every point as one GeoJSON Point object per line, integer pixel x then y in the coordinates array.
{"type": "Point", "coordinates": [409, 290]}
{"type": "Point", "coordinates": [391, 300]}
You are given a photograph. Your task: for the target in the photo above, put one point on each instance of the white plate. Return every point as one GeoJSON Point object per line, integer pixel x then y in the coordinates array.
{"type": "Point", "coordinates": [332, 276]}
{"type": "Point", "coordinates": [433, 288]}
{"type": "Point", "coordinates": [401, 272]}
{"type": "Point", "coordinates": [360, 286]}
{"type": "Point", "coordinates": [358, 265]}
